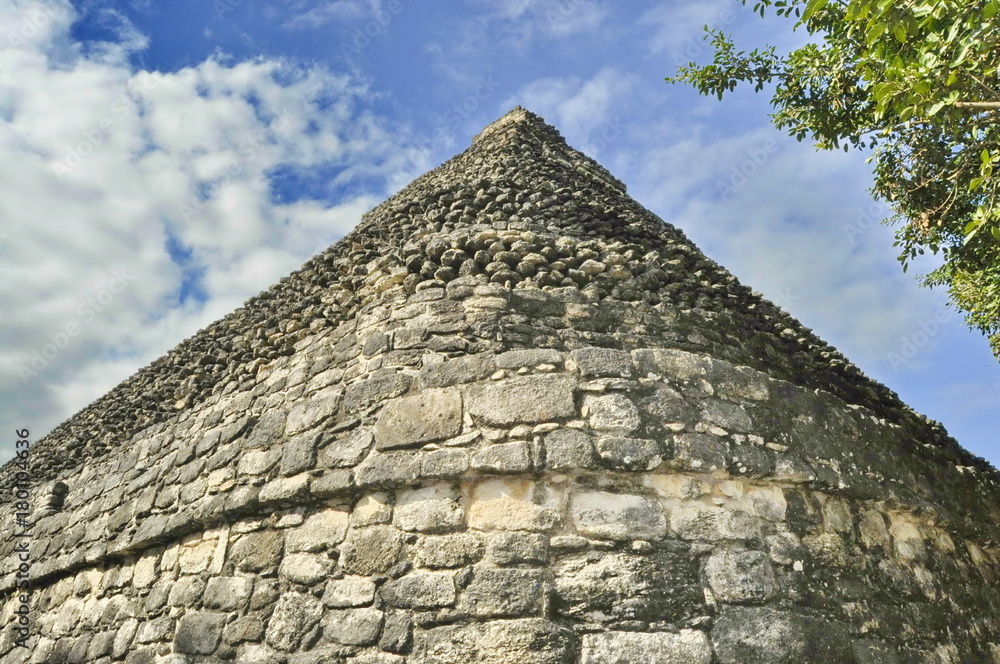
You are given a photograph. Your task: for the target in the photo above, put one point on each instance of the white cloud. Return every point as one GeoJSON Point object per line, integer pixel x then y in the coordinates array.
{"type": "Point", "coordinates": [308, 14]}
{"type": "Point", "coordinates": [585, 111]}
{"type": "Point", "coordinates": [164, 179]}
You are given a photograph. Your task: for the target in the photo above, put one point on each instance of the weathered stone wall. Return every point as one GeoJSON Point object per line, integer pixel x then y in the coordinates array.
{"type": "Point", "coordinates": [513, 448]}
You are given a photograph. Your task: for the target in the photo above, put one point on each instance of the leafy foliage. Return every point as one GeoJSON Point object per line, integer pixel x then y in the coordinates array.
{"type": "Point", "coordinates": [916, 83]}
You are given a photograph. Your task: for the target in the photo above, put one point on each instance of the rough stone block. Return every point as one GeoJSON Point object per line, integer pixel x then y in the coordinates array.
{"type": "Point", "coordinates": [431, 509]}
{"type": "Point", "coordinates": [600, 362]}
{"type": "Point", "coordinates": [293, 616]}
{"type": "Point", "coordinates": [730, 416]}
{"type": "Point", "coordinates": [372, 550]}
{"type": "Point", "coordinates": [694, 520]}
{"type": "Point", "coordinates": [199, 633]}
{"type": "Point", "coordinates": [346, 451]}
{"type": "Point", "coordinates": [503, 457]}
{"type": "Point", "coordinates": [515, 504]}
{"type": "Point", "coordinates": [528, 357]}
{"type": "Point", "coordinates": [657, 586]}
{"type": "Point", "coordinates": [524, 641]}
{"type": "Point", "coordinates": [228, 593]}
{"type": "Point", "coordinates": [700, 452]}
{"type": "Point", "coordinates": [515, 548]}
{"type": "Point", "coordinates": [444, 463]}
{"type": "Point", "coordinates": [503, 593]}
{"type": "Point", "coordinates": [740, 576]}
{"type": "Point", "coordinates": [388, 468]}
{"type": "Point", "coordinates": [623, 453]}
{"type": "Point", "coordinates": [618, 516]}
{"type": "Point", "coordinates": [421, 590]}
{"type": "Point", "coordinates": [381, 385]}
{"type": "Point", "coordinates": [353, 627]}
{"type": "Point", "coordinates": [305, 568]}
{"type": "Point", "coordinates": [525, 399]}
{"type": "Point", "coordinates": [687, 647]}
{"type": "Point", "coordinates": [284, 489]}
{"type": "Point", "coordinates": [675, 364]}
{"type": "Point", "coordinates": [350, 591]}
{"type": "Point", "coordinates": [320, 531]}
{"type": "Point", "coordinates": [613, 413]}
{"type": "Point", "coordinates": [760, 635]}
{"type": "Point", "coordinates": [422, 418]}
{"type": "Point", "coordinates": [457, 371]}
{"type": "Point", "coordinates": [442, 551]}
{"type": "Point", "coordinates": [566, 449]}
{"type": "Point", "coordinates": [310, 412]}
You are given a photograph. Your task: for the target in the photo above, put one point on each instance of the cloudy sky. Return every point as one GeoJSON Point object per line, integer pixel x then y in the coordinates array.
{"type": "Point", "coordinates": [162, 162]}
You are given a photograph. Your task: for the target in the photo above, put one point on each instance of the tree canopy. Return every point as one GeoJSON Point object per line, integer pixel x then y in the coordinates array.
{"type": "Point", "coordinates": [917, 84]}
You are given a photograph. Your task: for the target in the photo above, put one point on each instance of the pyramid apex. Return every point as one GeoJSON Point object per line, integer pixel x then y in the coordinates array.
{"type": "Point", "coordinates": [516, 116]}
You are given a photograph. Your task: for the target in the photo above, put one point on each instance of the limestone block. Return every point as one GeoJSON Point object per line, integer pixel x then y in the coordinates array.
{"type": "Point", "coordinates": [258, 654]}
{"type": "Point", "coordinates": [186, 591]}
{"type": "Point", "coordinates": [320, 531]}
{"type": "Point", "coordinates": [527, 399]}
{"type": "Point", "coordinates": [503, 593]}
{"type": "Point", "coordinates": [443, 551]}
{"type": "Point", "coordinates": [257, 551]}
{"type": "Point", "coordinates": [371, 550]}
{"type": "Point", "coordinates": [739, 383]}
{"type": "Point", "coordinates": [512, 457]}
{"type": "Point", "coordinates": [687, 647]}
{"type": "Point", "coordinates": [371, 509]}
{"type": "Point", "coordinates": [229, 593]}
{"type": "Point", "coordinates": [294, 615]}
{"type": "Point", "coordinates": [145, 571]}
{"type": "Point", "coordinates": [656, 586]}
{"type": "Point", "coordinates": [196, 558]}
{"type": "Point", "coordinates": [457, 371]}
{"type": "Point", "coordinates": [421, 590]}
{"type": "Point", "coordinates": [907, 539]}
{"type": "Point", "coordinates": [614, 413]}
{"type": "Point", "coordinates": [567, 449]}
{"type": "Point", "coordinates": [514, 548]}
{"type": "Point", "coordinates": [528, 357]}
{"type": "Point", "coordinates": [305, 568]}
{"type": "Point", "coordinates": [432, 509]}
{"type": "Point", "coordinates": [350, 591]}
{"type": "Point", "coordinates": [310, 412]}
{"type": "Point", "coordinates": [731, 417]}
{"type": "Point", "coordinates": [346, 451]}
{"type": "Point", "coordinates": [740, 576]}
{"type": "Point", "coordinates": [873, 530]}
{"type": "Point", "coordinates": [599, 362]}
{"type": "Point", "coordinates": [444, 463]}
{"type": "Point", "coordinates": [760, 635]}
{"type": "Point", "coordinates": [285, 489]}
{"type": "Point", "coordinates": [623, 453]}
{"type": "Point", "coordinates": [700, 452]}
{"type": "Point", "coordinates": [396, 633]}
{"type": "Point", "coordinates": [695, 520]}
{"type": "Point", "coordinates": [384, 468]}
{"type": "Point", "coordinates": [243, 629]}
{"type": "Point", "coordinates": [423, 418]}
{"type": "Point", "coordinates": [381, 385]}
{"type": "Point", "coordinates": [199, 633]}
{"type": "Point", "coordinates": [354, 627]}
{"type": "Point", "coordinates": [525, 641]}
{"type": "Point", "coordinates": [299, 453]}
{"type": "Point", "coordinates": [675, 364]}
{"type": "Point", "coordinates": [515, 504]}
{"type": "Point", "coordinates": [257, 462]}
{"type": "Point", "coordinates": [617, 516]}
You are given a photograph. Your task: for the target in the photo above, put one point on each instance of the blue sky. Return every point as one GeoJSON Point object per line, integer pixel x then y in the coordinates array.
{"type": "Point", "coordinates": [166, 161]}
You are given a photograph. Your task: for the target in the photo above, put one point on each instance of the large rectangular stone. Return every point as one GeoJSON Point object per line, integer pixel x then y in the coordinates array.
{"type": "Point", "coordinates": [523, 399]}
{"type": "Point", "coordinates": [525, 641]}
{"type": "Point", "coordinates": [688, 647]}
{"type": "Point", "coordinates": [422, 418]}
{"type": "Point", "coordinates": [618, 516]}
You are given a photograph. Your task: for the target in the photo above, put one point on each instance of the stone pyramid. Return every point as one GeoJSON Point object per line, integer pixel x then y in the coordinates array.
{"type": "Point", "coordinates": [512, 418]}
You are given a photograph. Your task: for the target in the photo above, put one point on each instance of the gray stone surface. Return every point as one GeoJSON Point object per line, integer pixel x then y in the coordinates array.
{"type": "Point", "coordinates": [426, 417]}
{"type": "Point", "coordinates": [760, 635]}
{"type": "Point", "coordinates": [525, 641]}
{"type": "Point", "coordinates": [199, 633]}
{"type": "Point", "coordinates": [598, 362]}
{"type": "Point", "coordinates": [421, 590]}
{"type": "Point", "coordinates": [617, 516]}
{"type": "Point", "coordinates": [686, 647]}
{"type": "Point", "coordinates": [371, 550]}
{"type": "Point", "coordinates": [503, 592]}
{"type": "Point", "coordinates": [740, 576]}
{"type": "Point", "coordinates": [523, 399]}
